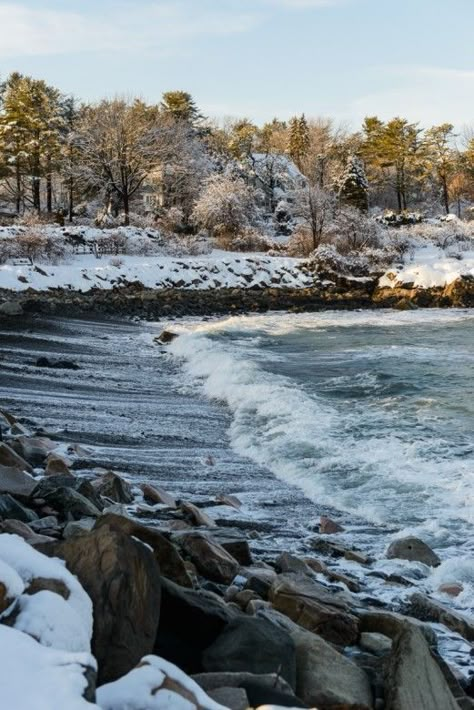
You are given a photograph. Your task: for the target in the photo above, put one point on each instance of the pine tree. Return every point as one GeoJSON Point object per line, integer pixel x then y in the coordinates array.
{"type": "Point", "coordinates": [181, 106]}
{"type": "Point", "coordinates": [30, 123]}
{"type": "Point", "coordinates": [242, 138]}
{"type": "Point", "coordinates": [298, 140]}
{"type": "Point", "coordinates": [353, 187]}
{"type": "Point", "coordinates": [441, 158]}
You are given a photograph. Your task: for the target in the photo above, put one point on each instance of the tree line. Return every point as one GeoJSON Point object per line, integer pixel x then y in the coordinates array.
{"type": "Point", "coordinates": [56, 153]}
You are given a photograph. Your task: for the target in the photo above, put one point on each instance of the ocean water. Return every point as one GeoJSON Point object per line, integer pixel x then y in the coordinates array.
{"type": "Point", "coordinates": [363, 416]}
{"type": "Point", "coordinates": [371, 413]}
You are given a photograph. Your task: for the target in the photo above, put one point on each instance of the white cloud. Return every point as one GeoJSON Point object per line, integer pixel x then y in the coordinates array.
{"type": "Point", "coordinates": [421, 93]}
{"type": "Point", "coordinates": [154, 25]}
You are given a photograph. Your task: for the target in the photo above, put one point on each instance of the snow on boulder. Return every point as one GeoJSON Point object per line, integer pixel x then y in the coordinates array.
{"type": "Point", "coordinates": [155, 684]}
{"type": "Point", "coordinates": [11, 586]}
{"type": "Point", "coordinates": [49, 619]}
{"type": "Point", "coordinates": [32, 676]}
{"type": "Point", "coordinates": [31, 565]}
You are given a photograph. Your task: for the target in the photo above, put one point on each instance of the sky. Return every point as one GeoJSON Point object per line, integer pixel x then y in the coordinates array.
{"type": "Point", "coordinates": [255, 58]}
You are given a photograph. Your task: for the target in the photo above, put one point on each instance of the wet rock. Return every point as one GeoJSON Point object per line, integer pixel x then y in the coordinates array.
{"type": "Point", "coordinates": [390, 624]}
{"type": "Point", "coordinates": [332, 549]}
{"type": "Point", "coordinates": [328, 526]}
{"type": "Point", "coordinates": [232, 501]}
{"type": "Point", "coordinates": [332, 575]}
{"type": "Point", "coordinates": [197, 516]}
{"type": "Point", "coordinates": [154, 684]}
{"type": "Point", "coordinates": [379, 644]}
{"type": "Point", "coordinates": [234, 542]}
{"type": "Point", "coordinates": [112, 486]}
{"type": "Point", "coordinates": [259, 579]}
{"type": "Point", "coordinates": [78, 527]}
{"type": "Point", "coordinates": [426, 609]}
{"type": "Point", "coordinates": [9, 458]}
{"type": "Point", "coordinates": [34, 449]}
{"type": "Point", "coordinates": [11, 309]}
{"type": "Point", "coordinates": [267, 688]}
{"type": "Point", "coordinates": [70, 502]}
{"type": "Point", "coordinates": [170, 561]}
{"type": "Point", "coordinates": [57, 466]}
{"type": "Point", "coordinates": [57, 364]}
{"type": "Point", "coordinates": [201, 616]}
{"type": "Point", "coordinates": [311, 606]}
{"type": "Point", "coordinates": [12, 509]}
{"type": "Point", "coordinates": [325, 678]}
{"type": "Point", "coordinates": [210, 558]}
{"type": "Point", "coordinates": [42, 584]}
{"type": "Point", "coordinates": [47, 489]}
{"type": "Point", "coordinates": [121, 577]}
{"type": "Point", "coordinates": [287, 562]}
{"type": "Point", "coordinates": [232, 698]}
{"type": "Point", "coordinates": [17, 527]}
{"type": "Point", "coordinates": [413, 549]}
{"type": "Point", "coordinates": [413, 679]}
{"type": "Point", "coordinates": [452, 589]}
{"type": "Point", "coordinates": [165, 337]}
{"type": "Point", "coordinates": [252, 645]}
{"type": "Point", "coordinates": [157, 495]}
{"type": "Point", "coordinates": [16, 482]}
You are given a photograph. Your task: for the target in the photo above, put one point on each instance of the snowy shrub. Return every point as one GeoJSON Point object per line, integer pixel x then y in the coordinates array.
{"type": "Point", "coordinates": [327, 259]}
{"type": "Point", "coordinates": [8, 249]}
{"type": "Point", "coordinates": [172, 220]}
{"type": "Point", "coordinates": [353, 231]}
{"type": "Point", "coordinates": [116, 261]}
{"type": "Point", "coordinates": [251, 240]}
{"type": "Point", "coordinates": [300, 243]}
{"type": "Point", "coordinates": [225, 207]}
{"type": "Point", "coordinates": [399, 219]}
{"type": "Point", "coordinates": [113, 242]}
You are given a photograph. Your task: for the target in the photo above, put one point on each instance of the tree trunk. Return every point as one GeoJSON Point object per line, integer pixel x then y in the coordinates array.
{"type": "Point", "coordinates": [18, 189]}
{"type": "Point", "coordinates": [70, 209]}
{"type": "Point", "coordinates": [49, 194]}
{"type": "Point", "coordinates": [126, 208]}
{"type": "Point", "coordinates": [36, 190]}
{"type": "Point", "coordinates": [445, 194]}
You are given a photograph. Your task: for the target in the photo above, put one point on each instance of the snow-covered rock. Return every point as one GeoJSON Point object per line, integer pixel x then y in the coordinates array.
{"type": "Point", "coordinates": [29, 564]}
{"type": "Point", "coordinates": [39, 678]}
{"type": "Point", "coordinates": [155, 684]}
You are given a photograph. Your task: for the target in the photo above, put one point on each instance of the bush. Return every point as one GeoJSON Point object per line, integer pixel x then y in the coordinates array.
{"type": "Point", "coordinates": [251, 240]}
{"type": "Point", "coordinates": [300, 244]}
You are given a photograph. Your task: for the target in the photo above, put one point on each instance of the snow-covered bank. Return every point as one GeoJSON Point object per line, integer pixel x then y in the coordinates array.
{"type": "Point", "coordinates": [430, 267]}
{"type": "Point", "coordinates": [218, 270]}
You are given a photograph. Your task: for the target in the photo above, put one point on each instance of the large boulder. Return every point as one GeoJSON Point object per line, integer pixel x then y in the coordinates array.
{"type": "Point", "coordinates": [170, 561]}
{"type": "Point", "coordinates": [155, 495]}
{"type": "Point", "coordinates": [190, 621]}
{"type": "Point", "coordinates": [10, 508]}
{"type": "Point", "coordinates": [413, 679]}
{"type": "Point", "coordinates": [114, 487]}
{"type": "Point", "coordinates": [326, 678]}
{"type": "Point", "coordinates": [426, 609]}
{"type": "Point", "coordinates": [9, 458]}
{"type": "Point", "coordinates": [413, 549]}
{"type": "Point", "coordinates": [259, 689]}
{"type": "Point", "coordinates": [314, 608]}
{"type": "Point", "coordinates": [252, 645]}
{"type": "Point", "coordinates": [210, 558]}
{"type": "Point", "coordinates": [16, 482]}
{"type": "Point", "coordinates": [17, 527]}
{"type": "Point", "coordinates": [196, 515]}
{"type": "Point", "coordinates": [71, 503]}
{"type": "Point", "coordinates": [34, 449]}
{"type": "Point", "coordinates": [155, 684]}
{"type": "Point", "coordinates": [47, 488]}
{"type": "Point", "coordinates": [121, 577]}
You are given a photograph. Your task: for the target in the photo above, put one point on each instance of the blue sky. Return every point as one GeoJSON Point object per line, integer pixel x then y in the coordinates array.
{"type": "Point", "coordinates": [255, 58]}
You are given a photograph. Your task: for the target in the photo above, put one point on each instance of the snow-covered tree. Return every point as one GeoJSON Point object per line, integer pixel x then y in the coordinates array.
{"type": "Point", "coordinates": [225, 207]}
{"type": "Point", "coordinates": [353, 187]}
{"type": "Point", "coordinates": [314, 208]}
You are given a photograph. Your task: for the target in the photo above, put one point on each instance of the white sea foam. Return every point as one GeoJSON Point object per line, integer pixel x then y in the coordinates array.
{"type": "Point", "coordinates": [355, 456]}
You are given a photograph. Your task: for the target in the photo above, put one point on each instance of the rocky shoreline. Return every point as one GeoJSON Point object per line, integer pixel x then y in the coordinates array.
{"type": "Point", "coordinates": [190, 608]}
{"type": "Point", "coordinates": [331, 292]}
